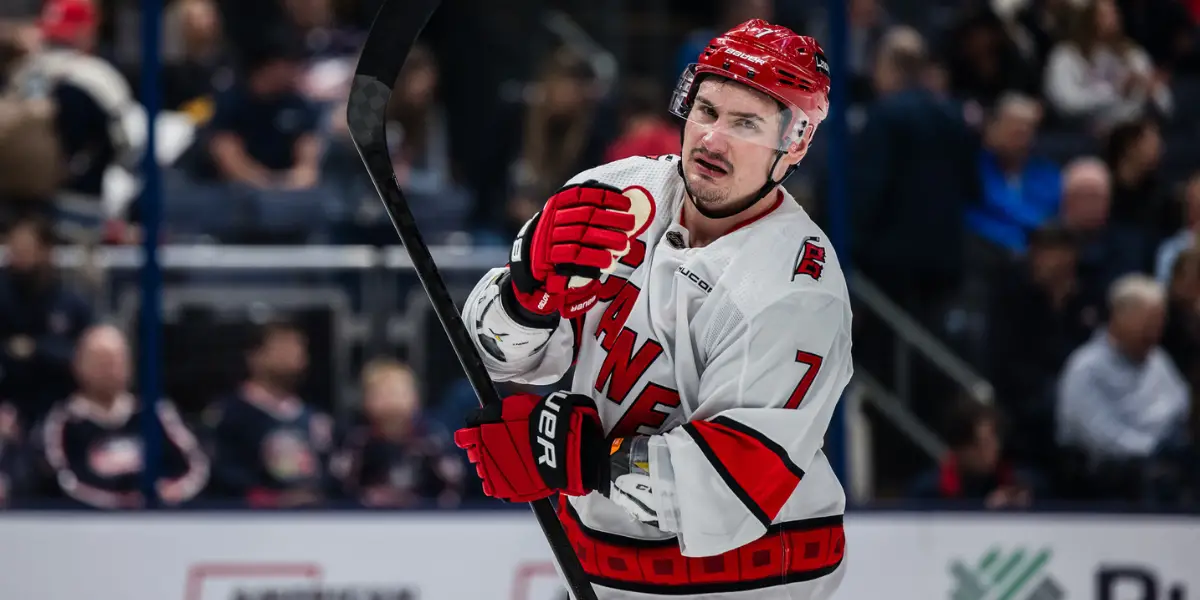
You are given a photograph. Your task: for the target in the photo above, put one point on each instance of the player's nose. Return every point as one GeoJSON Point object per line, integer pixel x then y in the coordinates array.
{"type": "Point", "coordinates": [715, 141]}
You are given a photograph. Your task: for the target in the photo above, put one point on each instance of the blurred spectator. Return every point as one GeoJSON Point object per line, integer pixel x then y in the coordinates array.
{"type": "Point", "coordinates": [398, 457]}
{"type": "Point", "coordinates": [419, 142]}
{"type": "Point", "coordinates": [268, 447]}
{"type": "Point", "coordinates": [12, 459]}
{"type": "Point", "coordinates": [1133, 153]}
{"type": "Point", "coordinates": [1087, 196]}
{"type": "Point", "coordinates": [1120, 396]}
{"type": "Point", "coordinates": [910, 204]}
{"type": "Point", "coordinates": [31, 163]}
{"type": "Point", "coordinates": [263, 148]}
{"type": "Point", "coordinates": [1020, 191]}
{"type": "Point", "coordinates": [1105, 252]}
{"type": "Point", "coordinates": [936, 79]}
{"type": "Point", "coordinates": [244, 24]}
{"type": "Point", "coordinates": [1185, 238]}
{"type": "Point", "coordinates": [18, 40]}
{"type": "Point", "coordinates": [1045, 22]}
{"type": "Point", "coordinates": [91, 98]}
{"type": "Point", "coordinates": [1038, 299]}
{"type": "Point", "coordinates": [559, 136]}
{"type": "Point", "coordinates": [645, 128]}
{"type": "Point", "coordinates": [974, 469]}
{"type": "Point", "coordinates": [867, 21]}
{"type": "Point", "coordinates": [263, 133]}
{"type": "Point", "coordinates": [1181, 335]}
{"type": "Point", "coordinates": [1163, 27]}
{"type": "Point", "coordinates": [985, 61]}
{"type": "Point", "coordinates": [5, 477]}
{"type": "Point", "coordinates": [314, 20]}
{"type": "Point", "coordinates": [417, 128]}
{"type": "Point", "coordinates": [1099, 74]}
{"type": "Point", "coordinates": [195, 64]}
{"type": "Point", "coordinates": [40, 322]}
{"type": "Point", "coordinates": [310, 17]}
{"type": "Point", "coordinates": [728, 14]}
{"type": "Point", "coordinates": [91, 442]}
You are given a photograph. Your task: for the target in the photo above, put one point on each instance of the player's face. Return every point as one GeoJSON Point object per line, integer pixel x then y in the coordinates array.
{"type": "Point", "coordinates": [729, 143]}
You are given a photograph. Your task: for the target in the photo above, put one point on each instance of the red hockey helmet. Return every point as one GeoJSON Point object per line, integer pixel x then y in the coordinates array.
{"type": "Point", "coordinates": [774, 60]}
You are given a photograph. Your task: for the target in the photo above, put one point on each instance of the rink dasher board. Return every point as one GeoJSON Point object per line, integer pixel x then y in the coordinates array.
{"type": "Point", "coordinates": [502, 555]}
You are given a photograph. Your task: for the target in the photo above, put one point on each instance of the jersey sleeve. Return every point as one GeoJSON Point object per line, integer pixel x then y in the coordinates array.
{"type": "Point", "coordinates": [511, 351]}
{"type": "Point", "coordinates": [766, 396]}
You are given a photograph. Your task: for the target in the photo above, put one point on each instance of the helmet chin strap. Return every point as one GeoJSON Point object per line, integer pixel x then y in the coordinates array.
{"type": "Point", "coordinates": [743, 205]}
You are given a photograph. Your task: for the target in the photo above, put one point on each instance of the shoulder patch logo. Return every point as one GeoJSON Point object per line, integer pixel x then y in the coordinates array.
{"type": "Point", "coordinates": [810, 260]}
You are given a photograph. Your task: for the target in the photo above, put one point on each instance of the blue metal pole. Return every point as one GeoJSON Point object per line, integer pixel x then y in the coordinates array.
{"type": "Point", "coordinates": [839, 175]}
{"type": "Point", "coordinates": [150, 321]}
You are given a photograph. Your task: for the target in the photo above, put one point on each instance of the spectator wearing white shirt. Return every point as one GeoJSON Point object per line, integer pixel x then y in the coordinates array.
{"type": "Point", "coordinates": [1120, 396]}
{"type": "Point", "coordinates": [1099, 74]}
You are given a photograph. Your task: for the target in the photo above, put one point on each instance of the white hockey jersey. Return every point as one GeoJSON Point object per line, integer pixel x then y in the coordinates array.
{"type": "Point", "coordinates": [733, 356]}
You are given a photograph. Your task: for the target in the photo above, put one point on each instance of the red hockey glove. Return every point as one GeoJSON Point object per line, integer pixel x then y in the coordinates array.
{"type": "Point", "coordinates": [574, 237]}
{"type": "Point", "coordinates": [528, 447]}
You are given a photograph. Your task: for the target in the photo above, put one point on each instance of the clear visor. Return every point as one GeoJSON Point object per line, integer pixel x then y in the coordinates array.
{"type": "Point", "coordinates": [736, 116]}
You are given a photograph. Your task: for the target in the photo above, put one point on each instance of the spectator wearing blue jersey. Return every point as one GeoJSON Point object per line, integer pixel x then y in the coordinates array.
{"type": "Point", "coordinates": [397, 456]}
{"type": "Point", "coordinates": [1021, 191]}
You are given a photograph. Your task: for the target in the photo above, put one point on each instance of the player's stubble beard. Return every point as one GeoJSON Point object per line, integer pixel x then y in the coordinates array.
{"type": "Point", "coordinates": [714, 203]}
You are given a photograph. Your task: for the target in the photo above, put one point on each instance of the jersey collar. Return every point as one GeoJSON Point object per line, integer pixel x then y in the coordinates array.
{"type": "Point", "coordinates": [774, 206]}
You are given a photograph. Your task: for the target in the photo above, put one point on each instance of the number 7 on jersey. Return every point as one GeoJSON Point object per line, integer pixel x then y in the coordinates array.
{"type": "Point", "coordinates": [814, 364]}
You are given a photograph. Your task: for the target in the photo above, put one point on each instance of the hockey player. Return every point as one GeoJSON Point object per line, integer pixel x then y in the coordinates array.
{"type": "Point", "coordinates": [708, 356]}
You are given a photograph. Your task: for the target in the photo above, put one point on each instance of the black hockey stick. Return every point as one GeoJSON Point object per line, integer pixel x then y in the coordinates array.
{"type": "Point", "coordinates": [389, 41]}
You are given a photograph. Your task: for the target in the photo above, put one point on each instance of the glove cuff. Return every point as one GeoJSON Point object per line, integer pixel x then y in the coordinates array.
{"type": "Point", "coordinates": [514, 307]}
{"type": "Point", "coordinates": [520, 260]}
{"type": "Point", "coordinates": [624, 456]}
{"type": "Point", "coordinates": [594, 464]}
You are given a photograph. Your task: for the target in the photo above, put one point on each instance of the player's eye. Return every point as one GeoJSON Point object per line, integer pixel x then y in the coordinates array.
{"type": "Point", "coordinates": [749, 124]}
{"type": "Point", "coordinates": [709, 111]}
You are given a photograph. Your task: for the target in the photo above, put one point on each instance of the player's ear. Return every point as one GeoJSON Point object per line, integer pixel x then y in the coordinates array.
{"type": "Point", "coordinates": [806, 131]}
{"type": "Point", "coordinates": [797, 150]}
{"type": "Point", "coordinates": [794, 154]}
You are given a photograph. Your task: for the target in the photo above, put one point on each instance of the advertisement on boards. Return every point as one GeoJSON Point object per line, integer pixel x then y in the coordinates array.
{"type": "Point", "coordinates": [275, 556]}
{"type": "Point", "coordinates": [993, 556]}
{"type": "Point", "coordinates": [503, 556]}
